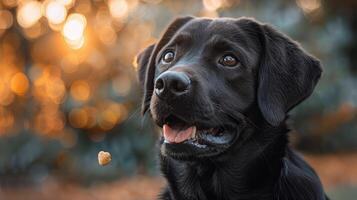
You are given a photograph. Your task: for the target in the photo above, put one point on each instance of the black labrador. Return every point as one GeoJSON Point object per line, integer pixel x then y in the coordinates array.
{"type": "Point", "coordinates": [221, 90]}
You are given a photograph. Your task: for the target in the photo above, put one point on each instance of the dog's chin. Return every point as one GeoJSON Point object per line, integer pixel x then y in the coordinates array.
{"type": "Point", "coordinates": [183, 140]}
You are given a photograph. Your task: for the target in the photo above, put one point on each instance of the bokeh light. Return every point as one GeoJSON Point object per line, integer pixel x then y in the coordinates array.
{"type": "Point", "coordinates": [107, 35]}
{"type": "Point", "coordinates": [118, 8]}
{"type": "Point", "coordinates": [50, 122]}
{"type": "Point", "coordinates": [212, 5]}
{"type": "Point", "coordinates": [55, 90]}
{"type": "Point", "coordinates": [70, 63]}
{"type": "Point", "coordinates": [35, 30]}
{"type": "Point", "coordinates": [83, 6]}
{"type": "Point", "coordinates": [111, 115]}
{"type": "Point", "coordinates": [29, 13]}
{"type": "Point", "coordinates": [6, 95]}
{"type": "Point", "coordinates": [49, 88]}
{"type": "Point", "coordinates": [55, 12]}
{"type": "Point", "coordinates": [19, 83]}
{"type": "Point", "coordinates": [6, 19]}
{"type": "Point", "coordinates": [80, 90]}
{"type": "Point", "coordinates": [73, 30]}
{"type": "Point", "coordinates": [78, 118]}
{"type": "Point", "coordinates": [10, 3]}
{"type": "Point", "coordinates": [309, 6]}
{"type": "Point", "coordinates": [67, 3]}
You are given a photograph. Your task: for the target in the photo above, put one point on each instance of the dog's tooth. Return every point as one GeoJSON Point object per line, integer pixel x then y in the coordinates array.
{"type": "Point", "coordinates": [193, 135]}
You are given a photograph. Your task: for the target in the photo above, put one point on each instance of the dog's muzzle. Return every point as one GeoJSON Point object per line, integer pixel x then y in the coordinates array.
{"type": "Point", "coordinates": [172, 84]}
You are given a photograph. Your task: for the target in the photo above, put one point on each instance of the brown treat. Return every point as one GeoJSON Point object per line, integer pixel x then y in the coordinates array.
{"type": "Point", "coordinates": [104, 158]}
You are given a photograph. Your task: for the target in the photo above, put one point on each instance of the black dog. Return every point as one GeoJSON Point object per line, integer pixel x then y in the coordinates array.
{"type": "Point", "coordinates": [221, 90]}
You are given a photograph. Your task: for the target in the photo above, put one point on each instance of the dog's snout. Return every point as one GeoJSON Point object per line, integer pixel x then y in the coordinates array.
{"type": "Point", "coordinates": [172, 83]}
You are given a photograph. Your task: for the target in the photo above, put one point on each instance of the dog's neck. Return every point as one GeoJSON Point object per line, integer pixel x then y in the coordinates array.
{"type": "Point", "coordinates": [242, 172]}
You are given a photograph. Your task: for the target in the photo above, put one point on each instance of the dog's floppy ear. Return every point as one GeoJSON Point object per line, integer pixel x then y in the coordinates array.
{"type": "Point", "coordinates": [287, 75]}
{"type": "Point", "coordinates": [142, 62]}
{"type": "Point", "coordinates": [146, 60]}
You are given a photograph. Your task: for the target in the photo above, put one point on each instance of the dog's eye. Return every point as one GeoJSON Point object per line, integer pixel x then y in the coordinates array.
{"type": "Point", "coordinates": [228, 60]}
{"type": "Point", "coordinates": [168, 57]}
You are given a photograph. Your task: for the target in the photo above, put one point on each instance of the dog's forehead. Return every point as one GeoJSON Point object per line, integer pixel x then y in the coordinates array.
{"type": "Point", "coordinates": [206, 28]}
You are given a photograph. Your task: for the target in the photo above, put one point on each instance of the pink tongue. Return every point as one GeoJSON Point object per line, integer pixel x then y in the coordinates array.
{"type": "Point", "coordinates": [176, 136]}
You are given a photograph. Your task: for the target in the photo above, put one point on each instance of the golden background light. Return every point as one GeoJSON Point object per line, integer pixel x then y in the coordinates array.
{"type": "Point", "coordinates": [10, 3]}
{"type": "Point", "coordinates": [152, 1]}
{"type": "Point", "coordinates": [69, 63]}
{"type": "Point", "coordinates": [84, 7]}
{"type": "Point", "coordinates": [91, 116]}
{"type": "Point", "coordinates": [29, 13]}
{"type": "Point", "coordinates": [80, 90]}
{"type": "Point", "coordinates": [107, 35]}
{"type": "Point", "coordinates": [56, 90]}
{"type": "Point", "coordinates": [6, 96]}
{"type": "Point", "coordinates": [67, 3]}
{"type": "Point", "coordinates": [35, 30]}
{"type": "Point", "coordinates": [19, 83]}
{"type": "Point", "coordinates": [76, 44]}
{"type": "Point", "coordinates": [212, 5]}
{"type": "Point", "coordinates": [55, 12]}
{"type": "Point", "coordinates": [49, 88]}
{"type": "Point", "coordinates": [49, 122]}
{"type": "Point", "coordinates": [309, 6]}
{"type": "Point", "coordinates": [78, 118]}
{"type": "Point", "coordinates": [118, 8]}
{"type": "Point", "coordinates": [6, 19]}
{"type": "Point", "coordinates": [107, 119]}
{"type": "Point", "coordinates": [73, 30]}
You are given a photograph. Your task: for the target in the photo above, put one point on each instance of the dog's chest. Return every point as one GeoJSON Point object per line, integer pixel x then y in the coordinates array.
{"type": "Point", "coordinates": [194, 182]}
{"type": "Point", "coordinates": [205, 183]}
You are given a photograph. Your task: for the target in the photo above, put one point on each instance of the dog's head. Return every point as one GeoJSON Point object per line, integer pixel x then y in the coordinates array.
{"type": "Point", "coordinates": [205, 76]}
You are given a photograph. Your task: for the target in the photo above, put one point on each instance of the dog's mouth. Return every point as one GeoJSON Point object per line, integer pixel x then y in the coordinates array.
{"type": "Point", "coordinates": [195, 139]}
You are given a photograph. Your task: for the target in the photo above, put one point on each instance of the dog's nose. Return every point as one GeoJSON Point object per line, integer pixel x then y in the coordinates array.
{"type": "Point", "coordinates": [172, 83]}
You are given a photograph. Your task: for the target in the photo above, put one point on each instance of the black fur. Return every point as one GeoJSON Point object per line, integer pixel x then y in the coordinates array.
{"type": "Point", "coordinates": [274, 75]}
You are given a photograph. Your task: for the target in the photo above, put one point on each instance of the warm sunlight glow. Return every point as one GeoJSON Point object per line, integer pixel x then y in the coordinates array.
{"type": "Point", "coordinates": [6, 96]}
{"type": "Point", "coordinates": [19, 83]}
{"type": "Point", "coordinates": [80, 90]}
{"type": "Point", "coordinates": [5, 19]}
{"type": "Point", "coordinates": [56, 12]}
{"type": "Point", "coordinates": [67, 3]}
{"type": "Point", "coordinates": [212, 5]}
{"type": "Point", "coordinates": [118, 8]}
{"type": "Point", "coordinates": [78, 118]}
{"type": "Point", "coordinates": [55, 89]}
{"type": "Point", "coordinates": [10, 3]}
{"type": "Point", "coordinates": [29, 13]}
{"type": "Point", "coordinates": [73, 30]}
{"type": "Point", "coordinates": [309, 6]}
{"type": "Point", "coordinates": [107, 35]}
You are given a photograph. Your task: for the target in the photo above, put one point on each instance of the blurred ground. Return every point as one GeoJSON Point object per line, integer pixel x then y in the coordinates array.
{"type": "Point", "coordinates": [334, 170]}
{"type": "Point", "coordinates": [338, 174]}
{"type": "Point", "coordinates": [137, 188]}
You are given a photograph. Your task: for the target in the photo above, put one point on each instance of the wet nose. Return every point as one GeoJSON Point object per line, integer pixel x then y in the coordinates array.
{"type": "Point", "coordinates": [172, 84]}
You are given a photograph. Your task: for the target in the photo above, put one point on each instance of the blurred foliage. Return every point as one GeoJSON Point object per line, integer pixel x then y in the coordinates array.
{"type": "Point", "coordinates": [68, 83]}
